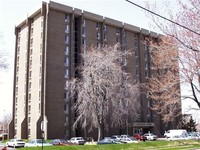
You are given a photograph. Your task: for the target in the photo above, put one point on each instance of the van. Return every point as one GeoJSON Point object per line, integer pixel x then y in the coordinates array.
{"type": "Point", "coordinates": [175, 132]}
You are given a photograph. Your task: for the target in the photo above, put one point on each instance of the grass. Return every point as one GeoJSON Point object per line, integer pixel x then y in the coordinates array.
{"type": "Point", "coordinates": [148, 145]}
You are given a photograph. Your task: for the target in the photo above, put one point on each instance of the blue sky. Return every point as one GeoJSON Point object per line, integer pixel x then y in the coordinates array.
{"type": "Point", "coordinates": [12, 12]}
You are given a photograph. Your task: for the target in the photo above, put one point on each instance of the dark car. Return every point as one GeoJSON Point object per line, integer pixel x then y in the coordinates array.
{"type": "Point", "coordinates": [140, 137]}
{"type": "Point", "coordinates": [61, 142]}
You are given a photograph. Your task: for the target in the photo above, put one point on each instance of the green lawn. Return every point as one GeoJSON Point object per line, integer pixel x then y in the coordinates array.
{"type": "Point", "coordinates": [148, 145]}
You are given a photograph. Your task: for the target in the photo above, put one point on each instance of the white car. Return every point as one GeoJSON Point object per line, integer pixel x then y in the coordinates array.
{"type": "Point", "coordinates": [150, 136]}
{"type": "Point", "coordinates": [15, 143]}
{"type": "Point", "coordinates": [175, 133]}
{"type": "Point", "coordinates": [36, 143]}
{"type": "Point", "coordinates": [77, 140]}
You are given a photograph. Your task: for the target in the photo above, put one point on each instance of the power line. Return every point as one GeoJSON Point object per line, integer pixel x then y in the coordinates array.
{"type": "Point", "coordinates": [163, 17]}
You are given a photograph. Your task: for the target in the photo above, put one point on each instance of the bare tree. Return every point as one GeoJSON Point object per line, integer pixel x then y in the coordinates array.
{"type": "Point", "coordinates": [104, 90]}
{"type": "Point", "coordinates": [164, 85]}
{"type": "Point", "coordinates": [5, 122]}
{"type": "Point", "coordinates": [186, 37]}
{"type": "Point", "coordinates": [3, 57]}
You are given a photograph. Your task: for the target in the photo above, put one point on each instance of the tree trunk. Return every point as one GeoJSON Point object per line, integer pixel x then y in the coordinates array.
{"type": "Point", "coordinates": [99, 133]}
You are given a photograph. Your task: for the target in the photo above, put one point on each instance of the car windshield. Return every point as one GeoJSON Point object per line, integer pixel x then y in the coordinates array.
{"type": "Point", "coordinates": [80, 138]}
{"type": "Point", "coordinates": [19, 140]}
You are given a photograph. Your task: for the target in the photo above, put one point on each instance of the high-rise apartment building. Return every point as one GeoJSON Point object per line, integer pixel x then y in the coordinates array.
{"type": "Point", "coordinates": [48, 44]}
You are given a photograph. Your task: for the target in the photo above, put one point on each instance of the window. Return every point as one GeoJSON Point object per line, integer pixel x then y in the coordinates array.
{"type": "Point", "coordinates": [29, 96]}
{"type": "Point", "coordinates": [84, 23]}
{"type": "Point", "coordinates": [19, 40]}
{"type": "Point", "coordinates": [67, 119]}
{"type": "Point", "coordinates": [66, 61]}
{"type": "Point", "coordinates": [67, 18]}
{"type": "Point", "coordinates": [146, 73]}
{"type": "Point", "coordinates": [29, 109]}
{"type": "Point", "coordinates": [31, 41]}
{"type": "Point", "coordinates": [29, 86]}
{"type": "Point", "coordinates": [84, 32]}
{"type": "Point", "coordinates": [67, 50]}
{"type": "Point", "coordinates": [30, 63]}
{"type": "Point", "coordinates": [17, 59]}
{"type": "Point", "coordinates": [17, 69]}
{"type": "Point", "coordinates": [30, 74]}
{"type": "Point", "coordinates": [16, 100]}
{"type": "Point", "coordinates": [66, 96]}
{"type": "Point", "coordinates": [97, 26]}
{"type": "Point", "coordinates": [67, 28]}
{"type": "Point", "coordinates": [66, 39]}
{"type": "Point", "coordinates": [136, 42]}
{"type": "Point", "coordinates": [15, 110]}
{"type": "Point", "coordinates": [136, 53]}
{"type": "Point", "coordinates": [146, 65]}
{"type": "Point", "coordinates": [31, 31]}
{"type": "Point", "coordinates": [18, 49]}
{"type": "Point", "coordinates": [40, 47]}
{"type": "Point", "coordinates": [29, 119]}
{"type": "Point", "coordinates": [40, 59]}
{"type": "Point", "coordinates": [84, 42]}
{"type": "Point", "coordinates": [16, 90]}
{"type": "Point", "coordinates": [137, 72]}
{"type": "Point", "coordinates": [40, 71]}
{"type": "Point", "coordinates": [98, 36]}
{"type": "Point", "coordinates": [105, 37]}
{"type": "Point", "coordinates": [105, 28]}
{"type": "Point", "coordinates": [118, 39]}
{"type": "Point", "coordinates": [17, 78]}
{"type": "Point", "coordinates": [39, 107]}
{"type": "Point", "coordinates": [31, 51]}
{"type": "Point", "coordinates": [66, 107]}
{"type": "Point", "coordinates": [40, 82]}
{"type": "Point", "coordinates": [137, 63]}
{"type": "Point", "coordinates": [67, 73]}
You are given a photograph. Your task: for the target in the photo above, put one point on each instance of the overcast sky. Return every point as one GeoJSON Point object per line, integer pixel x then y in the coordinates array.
{"type": "Point", "coordinates": [12, 12]}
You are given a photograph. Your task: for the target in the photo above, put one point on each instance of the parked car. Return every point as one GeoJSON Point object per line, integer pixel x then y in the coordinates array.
{"type": "Point", "coordinates": [140, 137]}
{"type": "Point", "coordinates": [116, 137]}
{"type": "Point", "coordinates": [36, 143]}
{"type": "Point", "coordinates": [178, 137]}
{"type": "Point", "coordinates": [150, 136]}
{"type": "Point", "coordinates": [175, 132]}
{"type": "Point", "coordinates": [15, 143]}
{"type": "Point", "coordinates": [61, 142]}
{"type": "Point", "coordinates": [129, 140]}
{"type": "Point", "coordinates": [124, 136]}
{"type": "Point", "coordinates": [108, 140]}
{"type": "Point", "coordinates": [77, 140]}
{"type": "Point", "coordinates": [193, 136]}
